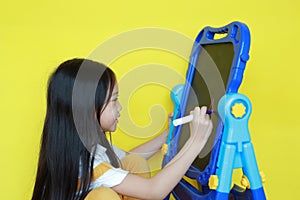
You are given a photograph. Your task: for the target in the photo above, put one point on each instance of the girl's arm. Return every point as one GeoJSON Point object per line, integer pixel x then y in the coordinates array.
{"type": "Point", "coordinates": [149, 148]}
{"type": "Point", "coordinates": [163, 182]}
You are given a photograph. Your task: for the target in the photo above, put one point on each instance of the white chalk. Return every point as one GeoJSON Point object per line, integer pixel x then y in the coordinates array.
{"type": "Point", "coordinates": [183, 120]}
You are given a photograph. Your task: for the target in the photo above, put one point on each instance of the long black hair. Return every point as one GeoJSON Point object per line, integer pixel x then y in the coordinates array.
{"type": "Point", "coordinates": [72, 129]}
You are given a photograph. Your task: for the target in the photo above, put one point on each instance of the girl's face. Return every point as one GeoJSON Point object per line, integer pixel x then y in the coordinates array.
{"type": "Point", "coordinates": [111, 113]}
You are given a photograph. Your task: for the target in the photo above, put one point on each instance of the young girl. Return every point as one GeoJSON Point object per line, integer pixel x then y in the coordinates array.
{"type": "Point", "coordinates": [76, 159]}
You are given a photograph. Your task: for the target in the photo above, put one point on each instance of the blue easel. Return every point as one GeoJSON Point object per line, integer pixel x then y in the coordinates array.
{"type": "Point", "coordinates": [233, 148]}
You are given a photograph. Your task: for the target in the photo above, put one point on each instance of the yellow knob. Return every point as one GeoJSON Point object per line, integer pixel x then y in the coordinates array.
{"type": "Point", "coordinates": [213, 182]}
{"type": "Point", "coordinates": [245, 182]}
{"type": "Point", "coordinates": [164, 149]}
{"type": "Point", "coordinates": [238, 110]}
{"type": "Point", "coordinates": [262, 176]}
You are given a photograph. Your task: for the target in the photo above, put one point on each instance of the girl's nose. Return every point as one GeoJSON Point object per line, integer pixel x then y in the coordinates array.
{"type": "Point", "coordinates": [119, 106]}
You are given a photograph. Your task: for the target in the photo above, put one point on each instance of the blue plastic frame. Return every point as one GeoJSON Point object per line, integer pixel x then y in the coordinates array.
{"type": "Point", "coordinates": [238, 34]}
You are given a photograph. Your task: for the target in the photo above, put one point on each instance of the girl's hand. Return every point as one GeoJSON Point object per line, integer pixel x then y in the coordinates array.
{"type": "Point", "coordinates": [201, 126]}
{"type": "Point", "coordinates": [170, 117]}
{"type": "Point", "coordinates": [166, 132]}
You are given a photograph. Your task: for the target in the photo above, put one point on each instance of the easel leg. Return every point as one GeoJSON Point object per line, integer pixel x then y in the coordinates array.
{"type": "Point", "coordinates": [224, 170]}
{"type": "Point", "coordinates": [250, 169]}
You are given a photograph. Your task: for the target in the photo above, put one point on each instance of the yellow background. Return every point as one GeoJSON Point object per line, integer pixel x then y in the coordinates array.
{"type": "Point", "coordinates": [35, 36]}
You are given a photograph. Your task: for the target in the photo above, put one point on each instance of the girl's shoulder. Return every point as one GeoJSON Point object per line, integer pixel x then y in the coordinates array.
{"type": "Point", "coordinates": [119, 152]}
{"type": "Point", "coordinates": [101, 156]}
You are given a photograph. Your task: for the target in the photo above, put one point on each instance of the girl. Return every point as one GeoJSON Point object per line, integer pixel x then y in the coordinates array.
{"type": "Point", "coordinates": [76, 159]}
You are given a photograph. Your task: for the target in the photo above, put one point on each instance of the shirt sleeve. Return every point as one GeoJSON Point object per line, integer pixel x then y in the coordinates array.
{"type": "Point", "coordinates": [105, 175]}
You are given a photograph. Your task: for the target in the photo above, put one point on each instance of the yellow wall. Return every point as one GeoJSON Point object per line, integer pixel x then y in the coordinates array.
{"type": "Point", "coordinates": [36, 36]}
